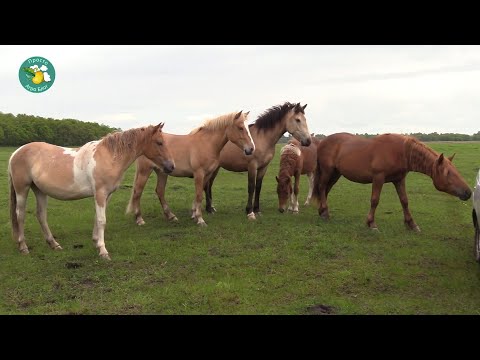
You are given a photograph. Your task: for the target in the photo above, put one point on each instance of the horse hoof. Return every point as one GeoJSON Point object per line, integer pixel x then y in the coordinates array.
{"type": "Point", "coordinates": [295, 212]}
{"type": "Point", "coordinates": [140, 222]}
{"type": "Point", "coordinates": [374, 229]}
{"type": "Point", "coordinates": [417, 229]}
{"type": "Point", "coordinates": [24, 251]}
{"type": "Point", "coordinates": [58, 247]}
{"type": "Point", "coordinates": [202, 224]}
{"type": "Point", "coordinates": [105, 256]}
{"type": "Point", "coordinates": [173, 219]}
{"type": "Point", "coordinates": [251, 216]}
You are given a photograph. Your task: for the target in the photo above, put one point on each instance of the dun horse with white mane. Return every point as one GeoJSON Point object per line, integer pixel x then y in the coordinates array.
{"type": "Point", "coordinates": [95, 169]}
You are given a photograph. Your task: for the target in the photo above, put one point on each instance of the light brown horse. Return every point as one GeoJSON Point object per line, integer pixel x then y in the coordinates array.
{"type": "Point", "coordinates": [295, 160]}
{"type": "Point", "coordinates": [266, 131]}
{"type": "Point", "coordinates": [196, 155]}
{"type": "Point", "coordinates": [95, 169]}
{"type": "Point", "coordinates": [378, 160]}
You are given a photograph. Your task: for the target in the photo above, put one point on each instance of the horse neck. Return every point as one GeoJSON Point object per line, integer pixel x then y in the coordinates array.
{"type": "Point", "coordinates": [271, 135]}
{"type": "Point", "coordinates": [126, 158]}
{"type": "Point", "coordinates": [216, 138]}
{"type": "Point", "coordinates": [287, 165]}
{"type": "Point", "coordinates": [420, 158]}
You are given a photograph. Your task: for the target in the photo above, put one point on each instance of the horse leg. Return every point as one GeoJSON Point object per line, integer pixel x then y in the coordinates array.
{"type": "Point", "coordinates": [377, 185]}
{"type": "Point", "coordinates": [101, 220]}
{"type": "Point", "coordinates": [95, 228]}
{"type": "Point", "coordinates": [323, 184]}
{"type": "Point", "coordinates": [21, 198]}
{"type": "Point", "coordinates": [142, 174]}
{"type": "Point", "coordinates": [160, 190]}
{"type": "Point", "coordinates": [208, 193]}
{"type": "Point", "coordinates": [311, 176]}
{"type": "Point", "coordinates": [252, 174]}
{"type": "Point", "coordinates": [402, 195]}
{"type": "Point", "coordinates": [295, 191]}
{"type": "Point", "coordinates": [258, 189]}
{"type": "Point", "coordinates": [197, 211]}
{"type": "Point", "coordinates": [42, 218]}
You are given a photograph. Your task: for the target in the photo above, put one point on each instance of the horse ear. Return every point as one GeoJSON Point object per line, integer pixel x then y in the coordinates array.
{"type": "Point", "coordinates": [158, 127]}
{"type": "Point", "coordinates": [304, 106]}
{"type": "Point", "coordinates": [248, 112]}
{"type": "Point", "coordinates": [451, 157]}
{"type": "Point", "coordinates": [440, 159]}
{"type": "Point", "coordinates": [238, 115]}
{"type": "Point", "coordinates": [276, 177]}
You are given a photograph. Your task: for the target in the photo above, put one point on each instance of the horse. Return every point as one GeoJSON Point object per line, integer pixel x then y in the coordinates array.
{"type": "Point", "coordinates": [382, 159]}
{"type": "Point", "coordinates": [295, 160]}
{"type": "Point", "coordinates": [95, 169]}
{"type": "Point", "coordinates": [266, 131]}
{"type": "Point", "coordinates": [196, 155]}
{"type": "Point", "coordinates": [475, 218]}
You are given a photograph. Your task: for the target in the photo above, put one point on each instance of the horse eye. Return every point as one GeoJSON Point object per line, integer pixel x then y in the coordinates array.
{"type": "Point", "coordinates": [159, 143]}
{"type": "Point", "coordinates": [297, 120]}
{"type": "Point", "coordinates": [240, 128]}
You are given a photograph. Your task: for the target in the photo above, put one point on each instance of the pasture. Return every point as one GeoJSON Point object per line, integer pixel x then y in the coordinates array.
{"type": "Point", "coordinates": [280, 264]}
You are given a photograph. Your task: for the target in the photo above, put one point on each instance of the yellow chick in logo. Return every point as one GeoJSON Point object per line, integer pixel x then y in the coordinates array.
{"type": "Point", "coordinates": [38, 78]}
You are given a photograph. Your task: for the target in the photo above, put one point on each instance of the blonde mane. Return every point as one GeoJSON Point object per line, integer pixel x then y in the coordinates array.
{"type": "Point", "coordinates": [220, 122]}
{"type": "Point", "coordinates": [121, 142]}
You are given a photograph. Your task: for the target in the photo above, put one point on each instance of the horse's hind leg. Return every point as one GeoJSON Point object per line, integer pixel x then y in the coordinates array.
{"type": "Point", "coordinates": [295, 192]}
{"type": "Point", "coordinates": [208, 193]}
{"type": "Point", "coordinates": [42, 218]}
{"type": "Point", "coordinates": [402, 195]}
{"type": "Point", "coordinates": [325, 177]}
{"type": "Point", "coordinates": [21, 197]}
{"type": "Point", "coordinates": [160, 190]}
{"type": "Point", "coordinates": [377, 185]}
{"type": "Point", "coordinates": [311, 176]}
{"type": "Point", "coordinates": [199, 185]}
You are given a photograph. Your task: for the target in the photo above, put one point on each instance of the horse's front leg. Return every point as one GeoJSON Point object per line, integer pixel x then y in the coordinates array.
{"type": "Point", "coordinates": [208, 193]}
{"type": "Point", "coordinates": [101, 201]}
{"type": "Point", "coordinates": [252, 175]}
{"type": "Point", "coordinates": [197, 205]}
{"type": "Point", "coordinates": [311, 177]}
{"type": "Point", "coordinates": [258, 188]}
{"type": "Point", "coordinates": [377, 185]}
{"type": "Point", "coordinates": [160, 190]}
{"type": "Point", "coordinates": [402, 195]}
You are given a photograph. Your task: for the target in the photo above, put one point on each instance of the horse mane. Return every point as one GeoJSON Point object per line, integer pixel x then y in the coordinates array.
{"type": "Point", "coordinates": [122, 142]}
{"type": "Point", "coordinates": [420, 157]}
{"type": "Point", "coordinates": [270, 117]}
{"type": "Point", "coordinates": [220, 122]}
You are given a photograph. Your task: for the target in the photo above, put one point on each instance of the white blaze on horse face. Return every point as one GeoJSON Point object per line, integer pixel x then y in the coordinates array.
{"type": "Point", "coordinates": [250, 136]}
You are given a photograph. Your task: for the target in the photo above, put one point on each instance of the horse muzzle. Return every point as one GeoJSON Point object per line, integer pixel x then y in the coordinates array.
{"type": "Point", "coordinates": [168, 166]}
{"type": "Point", "coordinates": [306, 142]}
{"type": "Point", "coordinates": [465, 195]}
{"type": "Point", "coordinates": [248, 151]}
{"type": "Point", "coordinates": [282, 210]}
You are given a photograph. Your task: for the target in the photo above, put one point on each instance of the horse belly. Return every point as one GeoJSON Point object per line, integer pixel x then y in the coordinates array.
{"type": "Point", "coordinates": [63, 191]}
{"type": "Point", "coordinates": [362, 177]}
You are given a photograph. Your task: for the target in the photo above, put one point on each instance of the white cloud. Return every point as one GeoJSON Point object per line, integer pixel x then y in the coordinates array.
{"type": "Point", "coordinates": [347, 88]}
{"type": "Point", "coordinates": [34, 67]}
{"type": "Point", "coordinates": [43, 68]}
{"type": "Point", "coordinates": [46, 77]}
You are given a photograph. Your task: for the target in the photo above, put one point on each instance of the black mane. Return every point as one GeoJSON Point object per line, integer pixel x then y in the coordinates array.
{"type": "Point", "coordinates": [270, 117]}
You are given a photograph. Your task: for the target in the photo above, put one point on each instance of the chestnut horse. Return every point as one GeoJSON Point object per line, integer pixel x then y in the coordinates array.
{"type": "Point", "coordinates": [196, 155]}
{"type": "Point", "coordinates": [266, 131]}
{"type": "Point", "coordinates": [378, 160]}
{"type": "Point", "coordinates": [95, 169]}
{"type": "Point", "coordinates": [295, 160]}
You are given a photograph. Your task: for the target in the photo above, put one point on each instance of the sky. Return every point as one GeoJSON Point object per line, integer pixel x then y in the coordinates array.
{"type": "Point", "coordinates": [358, 89]}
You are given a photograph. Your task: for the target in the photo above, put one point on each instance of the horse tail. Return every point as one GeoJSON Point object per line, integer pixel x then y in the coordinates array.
{"type": "Point", "coordinates": [13, 207]}
{"type": "Point", "coordinates": [316, 183]}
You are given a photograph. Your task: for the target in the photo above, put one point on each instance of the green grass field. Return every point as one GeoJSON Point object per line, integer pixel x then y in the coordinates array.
{"type": "Point", "coordinates": [280, 264]}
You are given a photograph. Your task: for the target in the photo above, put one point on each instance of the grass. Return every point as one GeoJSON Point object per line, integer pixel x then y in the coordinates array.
{"type": "Point", "coordinates": [280, 264]}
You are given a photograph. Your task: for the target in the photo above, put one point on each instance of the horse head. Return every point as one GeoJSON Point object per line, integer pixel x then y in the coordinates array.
{"type": "Point", "coordinates": [446, 178]}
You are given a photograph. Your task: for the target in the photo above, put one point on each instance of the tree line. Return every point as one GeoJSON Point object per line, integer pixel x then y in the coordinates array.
{"type": "Point", "coordinates": [420, 136]}
{"type": "Point", "coordinates": [21, 129]}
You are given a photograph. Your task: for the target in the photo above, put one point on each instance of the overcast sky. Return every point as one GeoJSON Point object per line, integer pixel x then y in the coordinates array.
{"type": "Point", "coordinates": [372, 89]}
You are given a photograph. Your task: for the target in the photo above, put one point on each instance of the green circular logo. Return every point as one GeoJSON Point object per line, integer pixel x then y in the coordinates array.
{"type": "Point", "coordinates": [36, 74]}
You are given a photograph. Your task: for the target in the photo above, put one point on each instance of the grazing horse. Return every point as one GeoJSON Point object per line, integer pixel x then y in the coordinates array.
{"type": "Point", "coordinates": [95, 169]}
{"type": "Point", "coordinates": [196, 155]}
{"type": "Point", "coordinates": [378, 160]}
{"type": "Point", "coordinates": [266, 131]}
{"type": "Point", "coordinates": [295, 160]}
